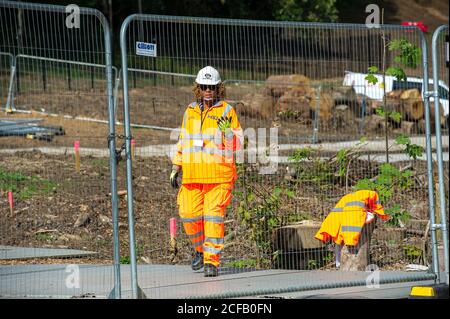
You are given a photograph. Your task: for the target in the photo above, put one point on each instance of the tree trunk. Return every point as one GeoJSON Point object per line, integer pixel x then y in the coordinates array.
{"type": "Point", "coordinates": [357, 258]}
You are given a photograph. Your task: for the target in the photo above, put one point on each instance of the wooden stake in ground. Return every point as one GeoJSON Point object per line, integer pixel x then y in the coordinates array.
{"type": "Point", "coordinates": [11, 203]}
{"type": "Point", "coordinates": [76, 147]}
{"type": "Point", "coordinates": [173, 239]}
{"type": "Point", "coordinates": [133, 148]}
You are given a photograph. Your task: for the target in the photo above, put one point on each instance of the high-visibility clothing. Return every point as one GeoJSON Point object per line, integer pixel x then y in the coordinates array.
{"type": "Point", "coordinates": [202, 212]}
{"type": "Point", "coordinates": [344, 223]}
{"type": "Point", "coordinates": [204, 152]}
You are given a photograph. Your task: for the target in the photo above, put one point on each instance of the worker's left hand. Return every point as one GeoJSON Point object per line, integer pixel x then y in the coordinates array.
{"type": "Point", "coordinates": [174, 176]}
{"type": "Point", "coordinates": [224, 124]}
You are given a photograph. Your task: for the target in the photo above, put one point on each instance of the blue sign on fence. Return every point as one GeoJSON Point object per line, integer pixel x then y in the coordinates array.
{"type": "Point", "coordinates": [147, 49]}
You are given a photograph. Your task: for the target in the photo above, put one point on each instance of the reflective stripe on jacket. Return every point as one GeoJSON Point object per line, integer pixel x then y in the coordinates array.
{"type": "Point", "coordinates": [205, 154]}
{"type": "Point", "coordinates": [344, 223]}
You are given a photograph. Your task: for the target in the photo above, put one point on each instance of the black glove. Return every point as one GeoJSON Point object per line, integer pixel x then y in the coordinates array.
{"type": "Point", "coordinates": [174, 176]}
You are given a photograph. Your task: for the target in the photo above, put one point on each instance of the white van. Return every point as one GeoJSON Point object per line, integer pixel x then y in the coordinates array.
{"type": "Point", "coordinates": [375, 91]}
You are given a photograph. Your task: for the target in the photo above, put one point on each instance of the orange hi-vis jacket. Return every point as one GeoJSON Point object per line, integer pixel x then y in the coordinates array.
{"type": "Point", "coordinates": [204, 153]}
{"type": "Point", "coordinates": [344, 223]}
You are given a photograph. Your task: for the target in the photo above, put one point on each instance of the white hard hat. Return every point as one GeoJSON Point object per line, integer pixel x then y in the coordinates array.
{"type": "Point", "coordinates": [208, 75]}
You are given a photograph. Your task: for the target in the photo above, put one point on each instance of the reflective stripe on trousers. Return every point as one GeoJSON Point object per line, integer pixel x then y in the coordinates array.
{"type": "Point", "coordinates": [202, 211]}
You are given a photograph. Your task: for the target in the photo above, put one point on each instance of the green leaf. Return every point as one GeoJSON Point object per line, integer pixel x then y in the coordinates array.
{"type": "Point", "coordinates": [396, 116]}
{"type": "Point", "coordinates": [407, 174]}
{"type": "Point", "coordinates": [365, 183]}
{"type": "Point", "coordinates": [389, 170]}
{"type": "Point", "coordinates": [277, 191]}
{"type": "Point", "coordinates": [414, 150]}
{"type": "Point", "coordinates": [402, 139]}
{"type": "Point", "coordinates": [396, 72]}
{"type": "Point", "coordinates": [380, 111]}
{"type": "Point", "coordinates": [290, 194]}
{"type": "Point", "coordinates": [371, 79]}
{"type": "Point", "coordinates": [373, 69]}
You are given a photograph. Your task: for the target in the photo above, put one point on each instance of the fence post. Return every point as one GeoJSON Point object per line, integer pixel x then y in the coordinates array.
{"type": "Point", "coordinates": [136, 291]}
{"type": "Point", "coordinates": [442, 203]}
{"type": "Point", "coordinates": [44, 75]}
{"type": "Point", "coordinates": [429, 155]}
{"type": "Point", "coordinates": [10, 99]}
{"type": "Point", "coordinates": [69, 78]}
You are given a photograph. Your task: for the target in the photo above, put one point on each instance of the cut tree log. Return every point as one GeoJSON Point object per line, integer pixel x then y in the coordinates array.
{"type": "Point", "coordinates": [277, 85]}
{"type": "Point", "coordinates": [295, 100]}
{"type": "Point", "coordinates": [375, 123]}
{"type": "Point", "coordinates": [433, 115]}
{"type": "Point", "coordinates": [406, 128]}
{"type": "Point", "coordinates": [343, 94]}
{"type": "Point", "coordinates": [257, 104]}
{"type": "Point", "coordinates": [343, 116]}
{"type": "Point", "coordinates": [412, 104]}
{"type": "Point", "coordinates": [322, 103]}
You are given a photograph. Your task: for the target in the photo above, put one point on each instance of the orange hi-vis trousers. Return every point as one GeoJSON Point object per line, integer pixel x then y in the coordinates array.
{"type": "Point", "coordinates": [202, 212]}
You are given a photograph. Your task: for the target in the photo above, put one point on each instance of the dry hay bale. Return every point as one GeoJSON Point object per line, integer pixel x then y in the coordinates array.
{"type": "Point", "coordinates": [277, 85]}
{"type": "Point", "coordinates": [254, 104]}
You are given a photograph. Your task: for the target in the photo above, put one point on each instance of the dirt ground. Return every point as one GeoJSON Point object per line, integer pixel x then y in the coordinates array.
{"type": "Point", "coordinates": [75, 212]}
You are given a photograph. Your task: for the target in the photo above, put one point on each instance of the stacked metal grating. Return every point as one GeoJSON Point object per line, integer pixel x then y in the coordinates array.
{"type": "Point", "coordinates": [29, 128]}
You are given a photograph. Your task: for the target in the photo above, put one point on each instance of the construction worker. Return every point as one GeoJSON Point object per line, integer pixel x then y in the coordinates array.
{"type": "Point", "coordinates": [210, 133]}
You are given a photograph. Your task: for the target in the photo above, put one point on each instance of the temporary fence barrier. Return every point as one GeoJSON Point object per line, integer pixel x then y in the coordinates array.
{"type": "Point", "coordinates": [56, 202]}
{"type": "Point", "coordinates": [315, 130]}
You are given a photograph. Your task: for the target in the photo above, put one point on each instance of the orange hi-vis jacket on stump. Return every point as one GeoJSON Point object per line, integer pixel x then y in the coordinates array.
{"type": "Point", "coordinates": [204, 154]}
{"type": "Point", "coordinates": [209, 172]}
{"type": "Point", "coordinates": [344, 223]}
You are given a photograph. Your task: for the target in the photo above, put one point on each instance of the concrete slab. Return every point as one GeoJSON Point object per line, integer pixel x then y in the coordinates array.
{"type": "Point", "coordinates": [12, 252]}
{"type": "Point", "coordinates": [178, 281]}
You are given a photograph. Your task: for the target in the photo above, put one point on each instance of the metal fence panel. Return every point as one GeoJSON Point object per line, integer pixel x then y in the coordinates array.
{"type": "Point", "coordinates": [304, 82]}
{"type": "Point", "coordinates": [440, 58]}
{"type": "Point", "coordinates": [58, 180]}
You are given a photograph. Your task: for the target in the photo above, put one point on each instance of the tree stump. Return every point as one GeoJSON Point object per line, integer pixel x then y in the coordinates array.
{"type": "Point", "coordinates": [277, 85]}
{"type": "Point", "coordinates": [412, 104]}
{"type": "Point", "coordinates": [294, 101]}
{"type": "Point", "coordinates": [322, 103]}
{"type": "Point", "coordinates": [257, 104]}
{"type": "Point", "coordinates": [357, 258]}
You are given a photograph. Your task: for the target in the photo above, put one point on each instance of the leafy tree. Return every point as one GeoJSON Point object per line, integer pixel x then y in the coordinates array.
{"type": "Point", "coordinates": [304, 10]}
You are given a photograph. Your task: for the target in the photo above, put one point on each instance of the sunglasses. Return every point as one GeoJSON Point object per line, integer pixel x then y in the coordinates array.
{"type": "Point", "coordinates": [204, 87]}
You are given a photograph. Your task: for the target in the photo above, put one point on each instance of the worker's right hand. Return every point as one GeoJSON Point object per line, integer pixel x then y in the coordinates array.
{"type": "Point", "coordinates": [174, 176]}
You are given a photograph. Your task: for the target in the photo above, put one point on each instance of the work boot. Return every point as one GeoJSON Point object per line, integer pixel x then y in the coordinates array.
{"type": "Point", "coordinates": [197, 261]}
{"type": "Point", "coordinates": [211, 270]}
